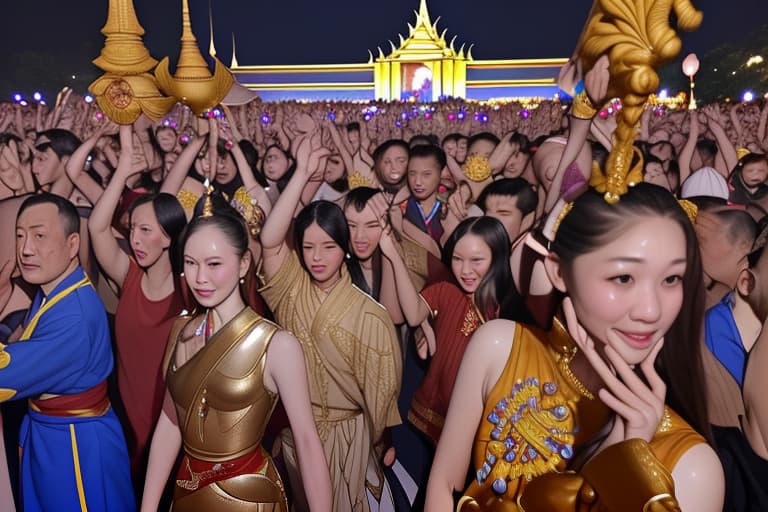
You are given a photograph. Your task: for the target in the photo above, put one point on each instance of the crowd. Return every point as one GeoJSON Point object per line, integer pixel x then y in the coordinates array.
{"type": "Point", "coordinates": [349, 306]}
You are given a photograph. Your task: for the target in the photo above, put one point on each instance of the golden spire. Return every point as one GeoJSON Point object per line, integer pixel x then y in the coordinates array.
{"type": "Point", "coordinates": [124, 51]}
{"type": "Point", "coordinates": [423, 41]}
{"type": "Point", "coordinates": [211, 45]}
{"type": "Point", "coordinates": [127, 89]}
{"type": "Point", "coordinates": [234, 63]}
{"type": "Point", "coordinates": [192, 83]}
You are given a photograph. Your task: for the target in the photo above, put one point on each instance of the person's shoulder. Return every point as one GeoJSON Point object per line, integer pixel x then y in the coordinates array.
{"type": "Point", "coordinates": [493, 339]}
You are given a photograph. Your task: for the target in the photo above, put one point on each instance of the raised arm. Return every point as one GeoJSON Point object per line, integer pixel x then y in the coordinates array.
{"type": "Point", "coordinates": [686, 154]}
{"type": "Point", "coordinates": [724, 144]}
{"type": "Point", "coordinates": [413, 307]}
{"type": "Point", "coordinates": [76, 165]}
{"type": "Point", "coordinates": [275, 229]}
{"type": "Point", "coordinates": [286, 374]}
{"type": "Point", "coordinates": [108, 253]}
{"type": "Point", "coordinates": [338, 141]}
{"type": "Point", "coordinates": [175, 179]}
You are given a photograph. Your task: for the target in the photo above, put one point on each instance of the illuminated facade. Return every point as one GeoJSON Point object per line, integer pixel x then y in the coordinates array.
{"type": "Point", "coordinates": [423, 68]}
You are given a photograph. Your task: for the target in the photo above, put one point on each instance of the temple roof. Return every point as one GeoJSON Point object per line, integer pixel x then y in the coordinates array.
{"type": "Point", "coordinates": [424, 41]}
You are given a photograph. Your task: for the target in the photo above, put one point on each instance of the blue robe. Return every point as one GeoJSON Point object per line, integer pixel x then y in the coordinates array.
{"type": "Point", "coordinates": [723, 338]}
{"type": "Point", "coordinates": [67, 463]}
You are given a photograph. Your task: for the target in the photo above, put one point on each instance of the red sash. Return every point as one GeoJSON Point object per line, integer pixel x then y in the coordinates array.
{"type": "Point", "coordinates": [195, 473]}
{"type": "Point", "coordinates": [92, 402]}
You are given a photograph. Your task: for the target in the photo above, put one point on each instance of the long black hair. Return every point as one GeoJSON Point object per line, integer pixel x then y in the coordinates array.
{"type": "Point", "coordinates": [358, 198]}
{"type": "Point", "coordinates": [170, 216]}
{"type": "Point", "coordinates": [591, 224]}
{"type": "Point", "coordinates": [330, 219]}
{"type": "Point", "coordinates": [490, 293]}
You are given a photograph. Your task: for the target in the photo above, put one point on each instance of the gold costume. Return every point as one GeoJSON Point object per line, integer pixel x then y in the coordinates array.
{"type": "Point", "coordinates": [223, 408]}
{"type": "Point", "coordinates": [536, 419]}
{"type": "Point", "coordinates": [354, 371]}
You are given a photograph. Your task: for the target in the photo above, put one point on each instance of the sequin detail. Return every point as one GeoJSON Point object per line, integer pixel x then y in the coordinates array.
{"type": "Point", "coordinates": [531, 434]}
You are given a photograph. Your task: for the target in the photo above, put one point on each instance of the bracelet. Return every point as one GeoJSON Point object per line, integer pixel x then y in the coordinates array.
{"type": "Point", "coordinates": [582, 107]}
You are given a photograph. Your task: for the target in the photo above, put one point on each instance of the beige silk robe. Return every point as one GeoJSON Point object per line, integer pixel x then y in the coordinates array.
{"type": "Point", "coordinates": [354, 368]}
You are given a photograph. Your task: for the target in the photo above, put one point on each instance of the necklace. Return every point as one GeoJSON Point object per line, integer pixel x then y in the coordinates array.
{"type": "Point", "coordinates": [564, 364]}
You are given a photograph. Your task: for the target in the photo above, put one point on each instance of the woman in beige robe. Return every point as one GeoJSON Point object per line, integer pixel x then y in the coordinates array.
{"type": "Point", "coordinates": [350, 347]}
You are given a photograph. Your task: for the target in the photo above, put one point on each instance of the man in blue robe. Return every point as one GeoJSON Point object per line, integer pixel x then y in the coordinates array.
{"type": "Point", "coordinates": [73, 451]}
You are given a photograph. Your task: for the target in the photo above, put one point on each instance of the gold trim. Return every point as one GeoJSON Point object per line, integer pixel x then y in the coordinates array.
{"type": "Point", "coordinates": [512, 82]}
{"type": "Point", "coordinates": [506, 63]}
{"type": "Point", "coordinates": [304, 68]}
{"type": "Point", "coordinates": [427, 414]}
{"type": "Point", "coordinates": [310, 85]}
{"type": "Point", "coordinates": [78, 475]}
{"type": "Point", "coordinates": [657, 498]}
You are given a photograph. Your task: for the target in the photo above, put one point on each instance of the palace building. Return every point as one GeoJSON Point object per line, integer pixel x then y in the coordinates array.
{"type": "Point", "coordinates": [424, 67]}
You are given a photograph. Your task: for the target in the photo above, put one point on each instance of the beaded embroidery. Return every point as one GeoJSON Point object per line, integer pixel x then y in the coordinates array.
{"type": "Point", "coordinates": [532, 433]}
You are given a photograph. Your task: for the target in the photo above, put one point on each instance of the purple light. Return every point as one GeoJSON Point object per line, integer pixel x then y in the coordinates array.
{"type": "Point", "coordinates": [484, 118]}
{"type": "Point", "coordinates": [404, 115]}
{"type": "Point", "coordinates": [428, 116]}
{"type": "Point", "coordinates": [99, 115]}
{"type": "Point", "coordinates": [331, 115]}
{"type": "Point", "coordinates": [184, 139]}
{"type": "Point", "coordinates": [88, 98]}
{"type": "Point", "coordinates": [398, 123]}
{"type": "Point", "coordinates": [18, 97]}
{"type": "Point", "coordinates": [451, 116]}
{"type": "Point", "coordinates": [37, 96]}
{"type": "Point", "coordinates": [23, 103]}
{"type": "Point", "coordinates": [525, 113]}
{"type": "Point", "coordinates": [266, 118]}
{"type": "Point", "coordinates": [461, 115]}
{"type": "Point", "coordinates": [367, 116]}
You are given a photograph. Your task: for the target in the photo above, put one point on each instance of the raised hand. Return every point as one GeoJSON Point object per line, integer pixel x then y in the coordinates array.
{"type": "Point", "coordinates": [639, 406]}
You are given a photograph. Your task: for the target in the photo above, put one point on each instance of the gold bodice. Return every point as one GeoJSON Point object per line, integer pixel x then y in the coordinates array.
{"type": "Point", "coordinates": [222, 404]}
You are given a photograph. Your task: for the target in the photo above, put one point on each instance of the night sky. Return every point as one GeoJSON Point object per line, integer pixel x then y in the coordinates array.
{"type": "Point", "coordinates": [47, 41]}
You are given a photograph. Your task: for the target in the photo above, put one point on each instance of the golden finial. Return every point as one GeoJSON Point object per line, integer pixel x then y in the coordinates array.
{"type": "Point", "coordinates": [127, 89]}
{"type": "Point", "coordinates": [638, 38]}
{"type": "Point", "coordinates": [208, 203]}
{"type": "Point", "coordinates": [192, 83]}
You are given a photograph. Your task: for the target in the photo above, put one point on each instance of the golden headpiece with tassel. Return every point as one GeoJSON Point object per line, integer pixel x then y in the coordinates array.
{"type": "Point", "coordinates": [127, 89]}
{"type": "Point", "coordinates": [637, 37]}
{"type": "Point", "coordinates": [207, 202]}
{"type": "Point", "coordinates": [192, 83]}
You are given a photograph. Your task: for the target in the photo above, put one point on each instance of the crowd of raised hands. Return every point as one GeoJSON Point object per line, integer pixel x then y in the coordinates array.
{"type": "Point", "coordinates": [408, 178]}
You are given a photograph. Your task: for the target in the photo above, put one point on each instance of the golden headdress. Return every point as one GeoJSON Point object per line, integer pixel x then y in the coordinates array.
{"type": "Point", "coordinates": [127, 89]}
{"type": "Point", "coordinates": [637, 37]}
{"type": "Point", "coordinates": [192, 83]}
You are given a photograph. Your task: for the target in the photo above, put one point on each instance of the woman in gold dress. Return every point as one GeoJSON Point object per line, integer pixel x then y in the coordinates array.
{"type": "Point", "coordinates": [350, 346]}
{"type": "Point", "coordinates": [607, 415]}
{"type": "Point", "coordinates": [227, 367]}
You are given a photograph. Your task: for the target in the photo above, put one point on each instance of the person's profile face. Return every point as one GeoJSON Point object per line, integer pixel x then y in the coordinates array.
{"type": "Point", "coordinates": [47, 166]}
{"type": "Point", "coordinates": [43, 250]}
